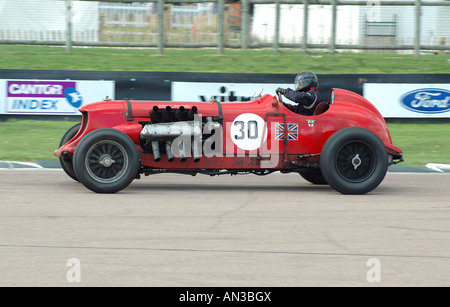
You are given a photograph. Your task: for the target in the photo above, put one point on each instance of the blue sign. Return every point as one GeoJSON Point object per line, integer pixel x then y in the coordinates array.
{"type": "Point", "coordinates": [73, 97]}
{"type": "Point", "coordinates": [427, 100]}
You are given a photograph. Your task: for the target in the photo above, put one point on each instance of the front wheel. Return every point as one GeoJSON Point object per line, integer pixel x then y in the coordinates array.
{"type": "Point", "coordinates": [106, 160]}
{"type": "Point", "coordinates": [66, 162]}
{"type": "Point", "coordinates": [354, 161]}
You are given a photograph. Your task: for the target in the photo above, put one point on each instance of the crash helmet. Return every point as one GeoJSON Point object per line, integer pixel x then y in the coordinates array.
{"type": "Point", "coordinates": [305, 80]}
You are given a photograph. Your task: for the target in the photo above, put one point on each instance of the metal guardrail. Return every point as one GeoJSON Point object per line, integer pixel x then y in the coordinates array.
{"type": "Point", "coordinates": [242, 39]}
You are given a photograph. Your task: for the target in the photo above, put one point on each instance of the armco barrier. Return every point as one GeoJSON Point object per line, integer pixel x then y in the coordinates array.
{"type": "Point", "coordinates": [158, 85]}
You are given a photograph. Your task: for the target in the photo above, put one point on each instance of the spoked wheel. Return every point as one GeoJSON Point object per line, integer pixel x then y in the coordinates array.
{"type": "Point", "coordinates": [66, 162]}
{"type": "Point", "coordinates": [106, 160]}
{"type": "Point", "coordinates": [354, 161]}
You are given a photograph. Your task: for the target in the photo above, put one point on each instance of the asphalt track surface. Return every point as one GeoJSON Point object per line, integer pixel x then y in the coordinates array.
{"type": "Point", "coordinates": [177, 230]}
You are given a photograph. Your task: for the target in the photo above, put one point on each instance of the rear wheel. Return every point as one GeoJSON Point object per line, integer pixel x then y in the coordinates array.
{"type": "Point", "coordinates": [313, 175]}
{"type": "Point", "coordinates": [354, 161]}
{"type": "Point", "coordinates": [66, 162]}
{"type": "Point", "coordinates": [106, 160]}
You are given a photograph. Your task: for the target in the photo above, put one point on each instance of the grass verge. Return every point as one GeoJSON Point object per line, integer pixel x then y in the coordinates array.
{"type": "Point", "coordinates": [209, 60]}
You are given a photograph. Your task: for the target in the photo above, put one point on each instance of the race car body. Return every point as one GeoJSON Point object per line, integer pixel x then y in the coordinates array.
{"type": "Point", "coordinates": [345, 144]}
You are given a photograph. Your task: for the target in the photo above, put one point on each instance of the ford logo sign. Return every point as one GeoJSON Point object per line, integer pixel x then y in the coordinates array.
{"type": "Point", "coordinates": [427, 100]}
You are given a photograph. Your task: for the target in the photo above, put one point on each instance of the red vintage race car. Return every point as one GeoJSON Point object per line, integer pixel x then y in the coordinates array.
{"type": "Point", "coordinates": [345, 144]}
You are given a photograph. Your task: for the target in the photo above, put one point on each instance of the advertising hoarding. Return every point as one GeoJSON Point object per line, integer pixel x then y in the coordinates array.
{"type": "Point", "coordinates": [409, 100]}
{"type": "Point", "coordinates": [51, 97]}
{"type": "Point", "coordinates": [221, 91]}
{"type": "Point", "coordinates": [393, 100]}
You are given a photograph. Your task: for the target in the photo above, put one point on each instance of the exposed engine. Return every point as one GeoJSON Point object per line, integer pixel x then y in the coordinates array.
{"type": "Point", "coordinates": [178, 133]}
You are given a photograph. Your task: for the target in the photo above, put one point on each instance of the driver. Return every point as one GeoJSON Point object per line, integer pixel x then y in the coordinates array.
{"type": "Point", "coordinates": [305, 94]}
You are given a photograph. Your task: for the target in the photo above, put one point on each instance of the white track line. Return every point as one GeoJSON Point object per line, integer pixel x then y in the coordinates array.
{"type": "Point", "coordinates": [29, 164]}
{"type": "Point", "coordinates": [438, 167]}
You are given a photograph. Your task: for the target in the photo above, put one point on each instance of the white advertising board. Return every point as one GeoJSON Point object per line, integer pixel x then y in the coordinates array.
{"type": "Point", "coordinates": [223, 92]}
{"type": "Point", "coordinates": [403, 100]}
{"type": "Point", "coordinates": [51, 97]}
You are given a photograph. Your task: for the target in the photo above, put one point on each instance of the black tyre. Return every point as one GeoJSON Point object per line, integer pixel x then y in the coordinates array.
{"type": "Point", "coordinates": [354, 161]}
{"type": "Point", "coordinates": [66, 162]}
{"type": "Point", "coordinates": [106, 160]}
{"type": "Point", "coordinates": [313, 175]}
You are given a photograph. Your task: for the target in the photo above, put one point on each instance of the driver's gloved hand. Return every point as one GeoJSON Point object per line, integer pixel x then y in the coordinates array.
{"type": "Point", "coordinates": [280, 90]}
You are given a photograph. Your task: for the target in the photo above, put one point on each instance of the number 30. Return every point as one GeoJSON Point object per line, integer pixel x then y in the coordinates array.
{"type": "Point", "coordinates": [251, 132]}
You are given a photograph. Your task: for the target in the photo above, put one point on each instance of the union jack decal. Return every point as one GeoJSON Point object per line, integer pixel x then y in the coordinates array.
{"type": "Point", "coordinates": [292, 132]}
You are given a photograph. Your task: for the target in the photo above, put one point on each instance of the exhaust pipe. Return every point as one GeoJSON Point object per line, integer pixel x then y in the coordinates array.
{"type": "Point", "coordinates": [167, 114]}
{"type": "Point", "coordinates": [180, 113]}
{"type": "Point", "coordinates": [169, 150]}
{"type": "Point", "coordinates": [155, 148]}
{"type": "Point", "coordinates": [192, 112]}
{"type": "Point", "coordinates": [195, 151]}
{"type": "Point", "coordinates": [154, 114]}
{"type": "Point", "coordinates": [182, 152]}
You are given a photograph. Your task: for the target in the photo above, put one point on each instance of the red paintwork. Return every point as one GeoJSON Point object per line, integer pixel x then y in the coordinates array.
{"type": "Point", "coordinates": [346, 109]}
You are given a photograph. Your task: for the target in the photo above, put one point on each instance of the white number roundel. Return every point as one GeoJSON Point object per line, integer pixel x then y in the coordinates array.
{"type": "Point", "coordinates": [247, 131]}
